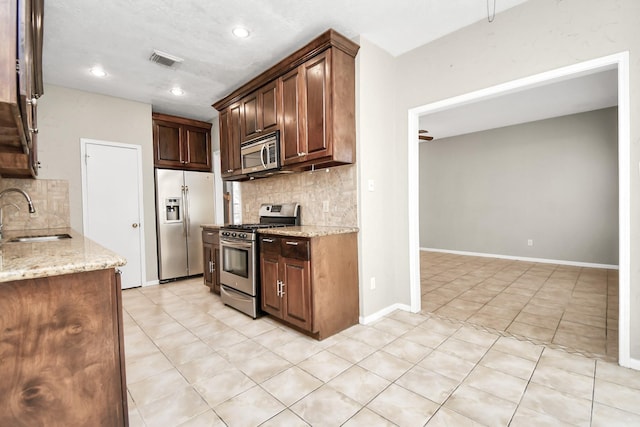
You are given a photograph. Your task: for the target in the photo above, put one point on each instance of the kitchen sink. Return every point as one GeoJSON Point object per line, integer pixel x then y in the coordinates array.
{"type": "Point", "coordinates": [40, 238]}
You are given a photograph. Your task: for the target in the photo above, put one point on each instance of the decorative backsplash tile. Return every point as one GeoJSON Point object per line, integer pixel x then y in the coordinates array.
{"type": "Point", "coordinates": [337, 186]}
{"type": "Point", "coordinates": [50, 199]}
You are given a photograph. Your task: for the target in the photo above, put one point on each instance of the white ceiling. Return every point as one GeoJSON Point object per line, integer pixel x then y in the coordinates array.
{"type": "Point", "coordinates": [587, 92]}
{"type": "Point", "coordinates": [120, 35]}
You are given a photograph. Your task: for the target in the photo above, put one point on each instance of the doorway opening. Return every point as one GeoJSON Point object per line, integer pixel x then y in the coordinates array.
{"type": "Point", "coordinates": [619, 63]}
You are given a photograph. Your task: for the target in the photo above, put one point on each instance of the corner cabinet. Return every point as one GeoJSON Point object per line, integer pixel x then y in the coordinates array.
{"type": "Point", "coordinates": [211, 256]}
{"type": "Point", "coordinates": [309, 285]}
{"type": "Point", "coordinates": [21, 32]}
{"type": "Point", "coordinates": [309, 96]}
{"type": "Point", "coordinates": [180, 143]}
{"type": "Point", "coordinates": [63, 351]}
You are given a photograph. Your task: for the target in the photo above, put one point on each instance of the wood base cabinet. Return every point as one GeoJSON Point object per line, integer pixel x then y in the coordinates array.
{"type": "Point", "coordinates": [211, 254]}
{"type": "Point", "coordinates": [62, 351]}
{"type": "Point", "coordinates": [311, 283]}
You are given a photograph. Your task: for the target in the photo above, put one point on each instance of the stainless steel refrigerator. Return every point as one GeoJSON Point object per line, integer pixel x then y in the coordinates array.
{"type": "Point", "coordinates": [184, 201]}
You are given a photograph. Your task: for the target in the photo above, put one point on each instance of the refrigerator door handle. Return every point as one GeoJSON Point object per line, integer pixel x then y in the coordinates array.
{"type": "Point", "coordinates": [184, 211]}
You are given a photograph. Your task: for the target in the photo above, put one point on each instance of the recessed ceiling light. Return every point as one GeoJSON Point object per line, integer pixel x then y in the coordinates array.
{"type": "Point", "coordinates": [98, 71]}
{"type": "Point", "coordinates": [240, 32]}
{"type": "Point", "coordinates": [177, 91]}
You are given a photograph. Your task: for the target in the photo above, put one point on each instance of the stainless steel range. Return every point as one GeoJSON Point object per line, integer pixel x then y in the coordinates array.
{"type": "Point", "coordinates": [240, 272]}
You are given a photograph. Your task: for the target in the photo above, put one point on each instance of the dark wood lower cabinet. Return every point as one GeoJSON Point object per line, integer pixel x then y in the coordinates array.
{"type": "Point", "coordinates": [62, 351]}
{"type": "Point", "coordinates": [211, 255]}
{"type": "Point", "coordinates": [311, 283]}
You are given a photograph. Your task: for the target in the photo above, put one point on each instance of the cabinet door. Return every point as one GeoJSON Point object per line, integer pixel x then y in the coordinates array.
{"type": "Point", "coordinates": [197, 149]}
{"type": "Point", "coordinates": [271, 301]}
{"type": "Point", "coordinates": [207, 257]}
{"type": "Point", "coordinates": [269, 107]}
{"type": "Point", "coordinates": [167, 144]}
{"type": "Point", "coordinates": [225, 153]}
{"type": "Point", "coordinates": [234, 138]}
{"type": "Point", "coordinates": [250, 116]}
{"type": "Point", "coordinates": [290, 132]}
{"type": "Point", "coordinates": [297, 292]}
{"type": "Point", "coordinates": [317, 106]}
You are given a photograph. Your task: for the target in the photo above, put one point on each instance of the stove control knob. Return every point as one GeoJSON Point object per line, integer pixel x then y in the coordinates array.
{"type": "Point", "coordinates": [233, 234]}
{"type": "Point", "coordinates": [244, 236]}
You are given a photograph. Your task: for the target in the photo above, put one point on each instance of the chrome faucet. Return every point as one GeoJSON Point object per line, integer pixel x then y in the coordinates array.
{"type": "Point", "coordinates": [15, 190]}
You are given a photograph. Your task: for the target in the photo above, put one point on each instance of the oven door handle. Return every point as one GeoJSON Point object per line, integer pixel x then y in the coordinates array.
{"type": "Point", "coordinates": [235, 244]}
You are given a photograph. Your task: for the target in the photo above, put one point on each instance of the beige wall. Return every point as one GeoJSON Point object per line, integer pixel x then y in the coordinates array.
{"type": "Point", "coordinates": [65, 116]}
{"type": "Point", "coordinates": [552, 181]}
{"type": "Point", "coordinates": [378, 159]}
{"type": "Point", "coordinates": [537, 36]}
{"type": "Point", "coordinates": [337, 186]}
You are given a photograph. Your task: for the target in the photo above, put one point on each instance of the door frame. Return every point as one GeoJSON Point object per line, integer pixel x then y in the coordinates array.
{"type": "Point", "coordinates": [141, 226]}
{"type": "Point", "coordinates": [620, 62]}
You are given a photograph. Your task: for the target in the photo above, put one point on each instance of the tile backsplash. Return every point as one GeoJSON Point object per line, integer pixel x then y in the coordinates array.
{"type": "Point", "coordinates": [50, 199]}
{"type": "Point", "coordinates": [336, 186]}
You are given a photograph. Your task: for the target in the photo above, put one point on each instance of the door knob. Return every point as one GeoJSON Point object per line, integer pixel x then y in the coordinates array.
{"type": "Point", "coordinates": [134, 225]}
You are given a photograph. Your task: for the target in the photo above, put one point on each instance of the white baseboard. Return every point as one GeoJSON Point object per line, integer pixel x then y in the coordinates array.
{"type": "Point", "coordinates": [631, 363]}
{"type": "Point", "coordinates": [151, 283]}
{"type": "Point", "coordinates": [381, 313]}
{"type": "Point", "coordinates": [527, 259]}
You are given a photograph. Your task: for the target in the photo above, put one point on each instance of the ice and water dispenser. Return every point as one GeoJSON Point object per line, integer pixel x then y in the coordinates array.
{"type": "Point", "coordinates": [172, 209]}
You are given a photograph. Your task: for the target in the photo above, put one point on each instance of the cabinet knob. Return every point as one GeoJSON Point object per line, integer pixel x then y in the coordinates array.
{"type": "Point", "coordinates": [302, 154]}
{"type": "Point", "coordinates": [33, 130]}
{"type": "Point", "coordinates": [229, 170]}
{"type": "Point", "coordinates": [32, 101]}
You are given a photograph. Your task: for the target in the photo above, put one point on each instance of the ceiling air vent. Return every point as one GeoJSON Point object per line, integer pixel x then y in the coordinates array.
{"type": "Point", "coordinates": [164, 58]}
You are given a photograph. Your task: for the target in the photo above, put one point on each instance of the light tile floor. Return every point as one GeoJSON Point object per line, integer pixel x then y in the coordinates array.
{"type": "Point", "coordinates": [565, 307]}
{"type": "Point", "coordinates": [191, 361]}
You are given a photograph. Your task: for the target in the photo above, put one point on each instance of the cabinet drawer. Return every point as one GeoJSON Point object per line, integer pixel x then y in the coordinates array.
{"type": "Point", "coordinates": [210, 236]}
{"type": "Point", "coordinates": [295, 248]}
{"type": "Point", "coordinates": [270, 244]}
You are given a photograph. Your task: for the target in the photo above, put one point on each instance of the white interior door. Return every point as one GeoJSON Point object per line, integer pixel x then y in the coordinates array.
{"type": "Point", "coordinates": [112, 203]}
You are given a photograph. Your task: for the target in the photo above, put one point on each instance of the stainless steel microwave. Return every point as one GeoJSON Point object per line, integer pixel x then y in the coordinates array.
{"type": "Point", "coordinates": [261, 154]}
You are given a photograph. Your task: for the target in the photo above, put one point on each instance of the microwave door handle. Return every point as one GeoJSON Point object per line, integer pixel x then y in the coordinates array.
{"type": "Point", "coordinates": [262, 156]}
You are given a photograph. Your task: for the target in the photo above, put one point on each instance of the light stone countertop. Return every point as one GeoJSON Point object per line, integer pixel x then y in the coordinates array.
{"type": "Point", "coordinates": [26, 260]}
{"type": "Point", "coordinates": [212, 226]}
{"type": "Point", "coordinates": [308, 231]}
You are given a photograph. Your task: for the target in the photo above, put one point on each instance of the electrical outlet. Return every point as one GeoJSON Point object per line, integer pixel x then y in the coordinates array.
{"type": "Point", "coordinates": [325, 206]}
{"type": "Point", "coordinates": [373, 283]}
{"type": "Point", "coordinates": [530, 242]}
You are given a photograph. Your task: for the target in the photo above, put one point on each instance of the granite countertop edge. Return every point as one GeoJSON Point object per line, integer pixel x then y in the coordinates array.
{"type": "Point", "coordinates": [308, 231]}
{"type": "Point", "coordinates": [32, 260]}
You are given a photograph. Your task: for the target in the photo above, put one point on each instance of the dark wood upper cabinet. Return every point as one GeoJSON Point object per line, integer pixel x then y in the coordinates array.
{"type": "Point", "coordinates": [290, 132]}
{"type": "Point", "coordinates": [180, 143]}
{"type": "Point", "coordinates": [260, 112]}
{"type": "Point", "coordinates": [21, 32]}
{"type": "Point", "coordinates": [230, 137]}
{"type": "Point", "coordinates": [310, 97]}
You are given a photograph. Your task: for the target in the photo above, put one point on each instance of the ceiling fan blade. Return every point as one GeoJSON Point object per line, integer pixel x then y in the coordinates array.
{"type": "Point", "coordinates": [423, 131]}
{"type": "Point", "coordinates": [425, 138]}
